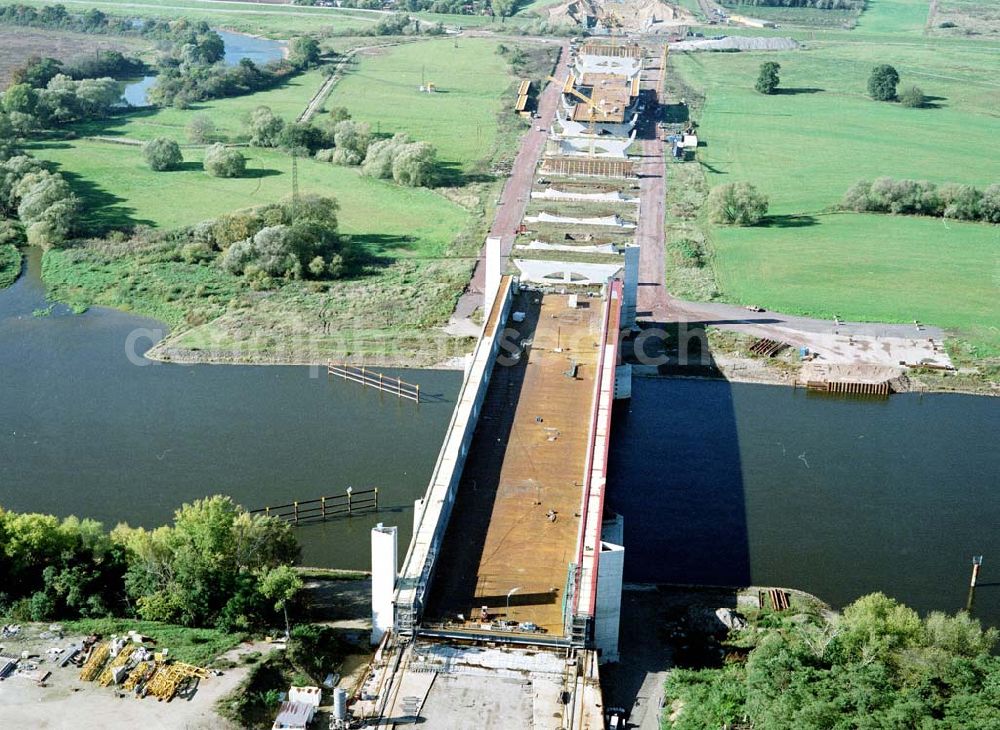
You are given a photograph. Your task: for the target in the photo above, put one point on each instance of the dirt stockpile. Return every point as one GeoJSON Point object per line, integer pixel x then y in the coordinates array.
{"type": "Point", "coordinates": [630, 15]}
{"type": "Point", "coordinates": [736, 43]}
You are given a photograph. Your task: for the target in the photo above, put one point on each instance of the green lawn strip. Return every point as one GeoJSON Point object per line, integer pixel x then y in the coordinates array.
{"type": "Point", "coordinates": [194, 646]}
{"type": "Point", "coordinates": [10, 264]}
{"type": "Point", "coordinates": [894, 16]}
{"type": "Point", "coordinates": [229, 115]}
{"type": "Point", "coordinates": [459, 119]}
{"type": "Point", "coordinates": [869, 267]}
{"type": "Point", "coordinates": [276, 21]}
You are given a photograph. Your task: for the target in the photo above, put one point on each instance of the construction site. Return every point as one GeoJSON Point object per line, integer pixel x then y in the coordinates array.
{"type": "Point", "coordinates": [508, 599]}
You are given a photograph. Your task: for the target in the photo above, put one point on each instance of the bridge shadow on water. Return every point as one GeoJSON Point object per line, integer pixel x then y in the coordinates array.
{"type": "Point", "coordinates": [675, 471]}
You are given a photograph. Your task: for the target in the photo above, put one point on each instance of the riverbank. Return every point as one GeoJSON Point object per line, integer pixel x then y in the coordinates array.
{"type": "Point", "coordinates": [10, 264]}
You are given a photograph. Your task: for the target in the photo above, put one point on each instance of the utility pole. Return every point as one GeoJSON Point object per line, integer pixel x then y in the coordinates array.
{"type": "Point", "coordinates": [295, 186]}
{"type": "Point", "coordinates": [977, 563]}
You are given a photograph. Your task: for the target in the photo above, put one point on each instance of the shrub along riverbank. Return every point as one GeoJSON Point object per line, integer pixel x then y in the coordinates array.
{"type": "Point", "coordinates": [211, 568]}
{"type": "Point", "coordinates": [877, 665]}
{"type": "Point", "coordinates": [10, 264]}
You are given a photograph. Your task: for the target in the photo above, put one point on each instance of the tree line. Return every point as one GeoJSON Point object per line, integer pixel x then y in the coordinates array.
{"type": "Point", "coordinates": [193, 69]}
{"type": "Point", "coordinates": [876, 665]}
{"type": "Point", "coordinates": [920, 197]}
{"type": "Point", "coordinates": [56, 17]}
{"type": "Point", "coordinates": [215, 565]}
{"type": "Point", "coordinates": [36, 204]}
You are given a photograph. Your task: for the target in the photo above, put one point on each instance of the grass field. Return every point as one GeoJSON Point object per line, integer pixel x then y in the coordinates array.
{"type": "Point", "coordinates": [229, 115]}
{"type": "Point", "coordinates": [276, 21]}
{"type": "Point", "coordinates": [459, 119]}
{"type": "Point", "coordinates": [804, 147]}
{"type": "Point", "coordinates": [119, 190]}
{"type": "Point", "coordinates": [18, 44]}
{"type": "Point", "coordinates": [906, 17]}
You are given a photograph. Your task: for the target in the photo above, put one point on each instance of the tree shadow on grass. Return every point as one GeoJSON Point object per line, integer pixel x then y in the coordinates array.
{"type": "Point", "coordinates": [103, 211]}
{"type": "Point", "coordinates": [188, 166]}
{"type": "Point", "coordinates": [451, 175]}
{"type": "Point", "coordinates": [795, 91]}
{"type": "Point", "coordinates": [789, 221]}
{"type": "Point", "coordinates": [257, 172]}
{"type": "Point", "coordinates": [933, 102]}
{"type": "Point", "coordinates": [112, 126]}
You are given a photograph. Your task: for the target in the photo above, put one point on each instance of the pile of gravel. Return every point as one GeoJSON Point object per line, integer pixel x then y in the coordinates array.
{"type": "Point", "coordinates": [736, 43]}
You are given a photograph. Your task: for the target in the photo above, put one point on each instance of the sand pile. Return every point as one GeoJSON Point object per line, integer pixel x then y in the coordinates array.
{"type": "Point", "coordinates": [634, 15]}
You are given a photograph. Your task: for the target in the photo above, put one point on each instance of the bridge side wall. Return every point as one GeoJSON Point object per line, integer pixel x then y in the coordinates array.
{"type": "Point", "coordinates": [589, 560]}
{"type": "Point", "coordinates": [432, 521]}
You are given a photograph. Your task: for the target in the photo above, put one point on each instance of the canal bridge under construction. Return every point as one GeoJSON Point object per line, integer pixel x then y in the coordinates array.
{"type": "Point", "coordinates": [511, 540]}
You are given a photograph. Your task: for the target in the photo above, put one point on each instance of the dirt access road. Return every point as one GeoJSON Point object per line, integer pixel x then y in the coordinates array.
{"type": "Point", "coordinates": [513, 199]}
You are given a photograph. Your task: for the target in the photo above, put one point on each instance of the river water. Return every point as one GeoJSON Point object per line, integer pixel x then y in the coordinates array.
{"type": "Point", "coordinates": [238, 46]}
{"type": "Point", "coordinates": [85, 431]}
{"type": "Point", "coordinates": [719, 483]}
{"type": "Point", "coordinates": [734, 484]}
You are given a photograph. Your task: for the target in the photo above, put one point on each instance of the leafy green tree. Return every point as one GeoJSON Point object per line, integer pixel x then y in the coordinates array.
{"type": "Point", "coordinates": [265, 127]}
{"type": "Point", "coordinates": [304, 52]}
{"type": "Point", "coordinates": [738, 204]}
{"type": "Point", "coordinates": [47, 207]}
{"type": "Point", "coordinates": [200, 129]}
{"type": "Point", "coordinates": [302, 138]}
{"type": "Point", "coordinates": [380, 156]}
{"type": "Point", "coordinates": [37, 72]}
{"type": "Point", "coordinates": [212, 554]}
{"type": "Point", "coordinates": [767, 79]}
{"type": "Point", "coordinates": [96, 97]}
{"type": "Point", "coordinates": [20, 98]}
{"type": "Point", "coordinates": [960, 201]}
{"type": "Point", "coordinates": [414, 165]}
{"type": "Point", "coordinates": [913, 97]}
{"type": "Point", "coordinates": [353, 137]}
{"type": "Point", "coordinates": [222, 161]}
{"type": "Point", "coordinates": [989, 204]}
{"type": "Point", "coordinates": [339, 114]}
{"type": "Point", "coordinates": [882, 83]}
{"type": "Point", "coordinates": [162, 153]}
{"type": "Point", "coordinates": [281, 584]}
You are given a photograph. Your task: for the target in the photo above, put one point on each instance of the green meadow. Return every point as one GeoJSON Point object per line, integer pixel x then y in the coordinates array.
{"type": "Point", "coordinates": [120, 190]}
{"type": "Point", "coordinates": [277, 21]}
{"type": "Point", "coordinates": [459, 119]}
{"type": "Point", "coordinates": [805, 146]}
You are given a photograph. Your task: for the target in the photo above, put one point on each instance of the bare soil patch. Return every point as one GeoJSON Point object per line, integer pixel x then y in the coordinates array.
{"type": "Point", "coordinates": [18, 44]}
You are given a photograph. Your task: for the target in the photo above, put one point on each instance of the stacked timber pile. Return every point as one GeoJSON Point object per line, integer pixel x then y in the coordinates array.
{"type": "Point", "coordinates": [95, 662]}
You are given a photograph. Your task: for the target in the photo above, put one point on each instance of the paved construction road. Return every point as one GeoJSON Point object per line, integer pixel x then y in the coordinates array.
{"type": "Point", "coordinates": [514, 199]}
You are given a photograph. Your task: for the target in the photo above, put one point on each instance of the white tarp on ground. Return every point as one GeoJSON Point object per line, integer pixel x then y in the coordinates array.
{"type": "Point", "coordinates": [620, 66]}
{"type": "Point", "coordinates": [553, 194]}
{"type": "Point", "coordinates": [571, 128]}
{"type": "Point", "coordinates": [607, 220]}
{"type": "Point", "coordinates": [565, 272]}
{"type": "Point", "coordinates": [602, 146]}
{"type": "Point", "coordinates": [736, 43]}
{"type": "Point", "coordinates": [582, 248]}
